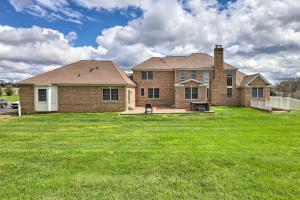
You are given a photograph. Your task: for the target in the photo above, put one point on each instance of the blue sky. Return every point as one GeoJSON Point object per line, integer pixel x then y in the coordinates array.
{"type": "Point", "coordinates": [86, 32]}
{"type": "Point", "coordinates": [39, 35]}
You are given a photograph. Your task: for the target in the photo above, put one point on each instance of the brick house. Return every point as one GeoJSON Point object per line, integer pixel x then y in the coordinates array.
{"type": "Point", "coordinates": [178, 80]}
{"type": "Point", "coordinates": [173, 81]}
{"type": "Point", "coordinates": [83, 86]}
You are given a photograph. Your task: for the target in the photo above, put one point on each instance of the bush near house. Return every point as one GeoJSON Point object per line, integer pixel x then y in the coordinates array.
{"type": "Point", "coordinates": [9, 90]}
{"type": "Point", "coordinates": [1, 91]}
{"type": "Point", "coordinates": [234, 153]}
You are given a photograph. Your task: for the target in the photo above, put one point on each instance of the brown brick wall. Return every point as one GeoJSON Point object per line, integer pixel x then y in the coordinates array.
{"type": "Point", "coordinates": [218, 89]}
{"type": "Point", "coordinates": [26, 98]}
{"type": "Point", "coordinates": [164, 80]}
{"type": "Point", "coordinates": [188, 75]}
{"type": "Point", "coordinates": [246, 93]}
{"type": "Point", "coordinates": [181, 102]}
{"type": "Point", "coordinates": [88, 99]}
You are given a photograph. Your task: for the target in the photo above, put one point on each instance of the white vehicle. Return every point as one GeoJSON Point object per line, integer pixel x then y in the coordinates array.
{"type": "Point", "coordinates": [15, 105]}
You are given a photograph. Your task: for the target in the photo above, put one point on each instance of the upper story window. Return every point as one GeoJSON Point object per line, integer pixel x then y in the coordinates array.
{"type": "Point", "coordinates": [147, 75]}
{"type": "Point", "coordinates": [194, 74]}
{"type": "Point", "coordinates": [206, 77]}
{"type": "Point", "coordinates": [191, 93]}
{"type": "Point", "coordinates": [229, 78]}
{"type": "Point", "coordinates": [42, 95]}
{"type": "Point", "coordinates": [181, 75]}
{"type": "Point", "coordinates": [257, 92]}
{"type": "Point", "coordinates": [110, 94]}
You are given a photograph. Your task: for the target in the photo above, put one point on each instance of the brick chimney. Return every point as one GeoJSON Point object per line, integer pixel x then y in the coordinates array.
{"type": "Point", "coordinates": [218, 84]}
{"type": "Point", "coordinates": [218, 58]}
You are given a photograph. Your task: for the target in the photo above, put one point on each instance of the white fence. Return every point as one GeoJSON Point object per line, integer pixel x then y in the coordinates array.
{"type": "Point", "coordinates": [276, 102]}
{"type": "Point", "coordinates": [260, 104]}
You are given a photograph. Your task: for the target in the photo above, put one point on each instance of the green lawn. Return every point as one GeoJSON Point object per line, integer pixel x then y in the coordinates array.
{"type": "Point", "coordinates": [234, 153]}
{"type": "Point", "coordinates": [10, 98]}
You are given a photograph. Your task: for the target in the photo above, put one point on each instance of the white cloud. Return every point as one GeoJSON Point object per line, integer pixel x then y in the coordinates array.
{"type": "Point", "coordinates": [49, 9]}
{"type": "Point", "coordinates": [258, 35]}
{"type": "Point", "coordinates": [29, 51]}
{"type": "Point", "coordinates": [114, 4]}
{"type": "Point", "coordinates": [71, 36]}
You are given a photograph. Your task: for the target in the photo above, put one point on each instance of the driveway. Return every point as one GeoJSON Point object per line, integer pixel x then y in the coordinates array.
{"type": "Point", "coordinates": [8, 111]}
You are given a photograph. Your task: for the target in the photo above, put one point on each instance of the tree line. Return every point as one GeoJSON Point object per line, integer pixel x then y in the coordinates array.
{"type": "Point", "coordinates": [287, 87]}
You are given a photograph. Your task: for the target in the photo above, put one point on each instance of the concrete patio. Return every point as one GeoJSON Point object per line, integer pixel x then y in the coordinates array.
{"type": "Point", "coordinates": [158, 110]}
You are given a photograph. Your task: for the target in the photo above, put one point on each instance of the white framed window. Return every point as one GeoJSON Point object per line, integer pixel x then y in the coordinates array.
{"type": "Point", "coordinates": [110, 94]}
{"type": "Point", "coordinates": [229, 92]}
{"type": "Point", "coordinates": [206, 77]}
{"type": "Point", "coordinates": [194, 74]}
{"type": "Point", "coordinates": [153, 93]}
{"type": "Point", "coordinates": [191, 93]}
{"type": "Point", "coordinates": [42, 95]}
{"type": "Point", "coordinates": [257, 92]}
{"type": "Point", "coordinates": [229, 78]}
{"type": "Point", "coordinates": [147, 75]}
{"type": "Point", "coordinates": [181, 75]}
{"type": "Point", "coordinates": [142, 92]}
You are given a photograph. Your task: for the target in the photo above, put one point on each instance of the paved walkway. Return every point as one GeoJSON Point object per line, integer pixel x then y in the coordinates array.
{"type": "Point", "coordinates": [8, 111]}
{"type": "Point", "coordinates": [156, 110]}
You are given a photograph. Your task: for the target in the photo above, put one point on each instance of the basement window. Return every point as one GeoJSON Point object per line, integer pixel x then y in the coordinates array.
{"type": "Point", "coordinates": [110, 94]}
{"type": "Point", "coordinates": [42, 95]}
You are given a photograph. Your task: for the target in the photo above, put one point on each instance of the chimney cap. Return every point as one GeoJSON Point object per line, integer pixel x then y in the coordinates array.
{"type": "Point", "coordinates": [218, 46]}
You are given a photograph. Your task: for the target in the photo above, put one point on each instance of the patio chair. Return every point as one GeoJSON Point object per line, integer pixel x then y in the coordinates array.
{"type": "Point", "coordinates": [148, 108]}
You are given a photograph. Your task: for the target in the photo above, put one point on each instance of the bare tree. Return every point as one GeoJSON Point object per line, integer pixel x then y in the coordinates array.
{"type": "Point", "coordinates": [287, 86]}
{"type": "Point", "coordinates": [282, 86]}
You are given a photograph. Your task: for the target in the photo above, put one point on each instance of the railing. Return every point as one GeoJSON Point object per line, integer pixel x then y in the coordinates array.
{"type": "Point", "coordinates": [260, 104]}
{"type": "Point", "coordinates": [276, 102]}
{"type": "Point", "coordinates": [285, 102]}
{"type": "Point", "coordinates": [19, 110]}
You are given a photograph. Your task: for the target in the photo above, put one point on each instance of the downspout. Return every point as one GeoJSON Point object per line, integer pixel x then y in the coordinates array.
{"type": "Point", "coordinates": [49, 98]}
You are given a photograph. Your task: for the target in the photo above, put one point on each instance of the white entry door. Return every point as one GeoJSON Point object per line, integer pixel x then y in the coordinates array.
{"type": "Point", "coordinates": [45, 99]}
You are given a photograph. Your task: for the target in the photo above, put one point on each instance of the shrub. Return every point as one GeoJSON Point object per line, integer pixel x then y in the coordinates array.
{"type": "Point", "coordinates": [0, 91]}
{"type": "Point", "coordinates": [9, 90]}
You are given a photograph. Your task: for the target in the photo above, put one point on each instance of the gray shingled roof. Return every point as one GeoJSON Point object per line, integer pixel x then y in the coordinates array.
{"type": "Point", "coordinates": [83, 72]}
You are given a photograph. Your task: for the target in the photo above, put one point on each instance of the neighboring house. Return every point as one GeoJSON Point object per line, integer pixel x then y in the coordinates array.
{"type": "Point", "coordinates": [174, 81]}
{"type": "Point", "coordinates": [83, 86]}
{"type": "Point", "coordinates": [178, 80]}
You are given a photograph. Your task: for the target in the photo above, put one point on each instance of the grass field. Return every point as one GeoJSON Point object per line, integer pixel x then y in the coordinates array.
{"type": "Point", "coordinates": [10, 98]}
{"type": "Point", "coordinates": [234, 153]}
